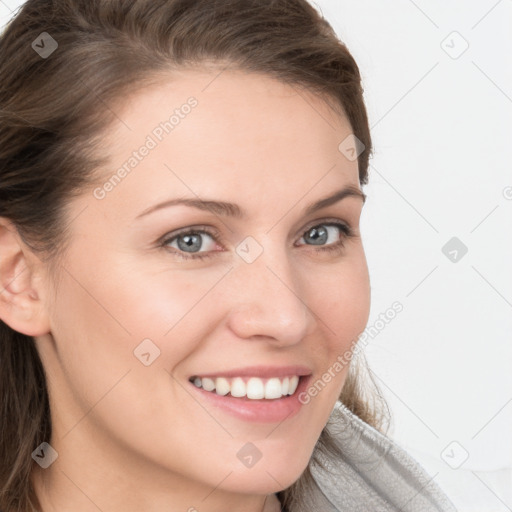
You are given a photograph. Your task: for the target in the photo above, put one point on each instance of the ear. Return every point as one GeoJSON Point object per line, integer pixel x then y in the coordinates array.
{"type": "Point", "coordinates": [21, 285]}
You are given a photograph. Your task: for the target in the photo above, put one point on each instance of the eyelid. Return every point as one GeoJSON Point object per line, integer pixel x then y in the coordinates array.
{"type": "Point", "coordinates": [325, 220]}
{"type": "Point", "coordinates": [196, 228]}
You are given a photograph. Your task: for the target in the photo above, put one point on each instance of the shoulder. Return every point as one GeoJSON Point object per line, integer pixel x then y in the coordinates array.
{"type": "Point", "coordinates": [365, 470]}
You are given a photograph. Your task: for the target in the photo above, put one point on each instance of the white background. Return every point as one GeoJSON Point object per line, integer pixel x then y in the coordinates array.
{"type": "Point", "coordinates": [442, 130]}
{"type": "Point", "coordinates": [441, 123]}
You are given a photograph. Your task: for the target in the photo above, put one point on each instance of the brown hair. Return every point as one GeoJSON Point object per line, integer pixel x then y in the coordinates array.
{"type": "Point", "coordinates": [53, 109]}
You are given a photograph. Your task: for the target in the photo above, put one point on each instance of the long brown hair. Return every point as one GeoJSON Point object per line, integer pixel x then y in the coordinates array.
{"type": "Point", "coordinates": [55, 105]}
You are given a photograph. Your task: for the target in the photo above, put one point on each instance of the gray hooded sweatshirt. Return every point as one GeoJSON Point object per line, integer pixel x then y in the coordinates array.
{"type": "Point", "coordinates": [374, 474]}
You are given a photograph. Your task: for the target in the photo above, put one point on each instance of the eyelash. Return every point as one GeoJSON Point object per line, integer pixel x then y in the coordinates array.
{"type": "Point", "coordinates": [345, 230]}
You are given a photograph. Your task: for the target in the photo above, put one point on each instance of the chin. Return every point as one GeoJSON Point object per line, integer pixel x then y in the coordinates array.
{"type": "Point", "coordinates": [272, 477]}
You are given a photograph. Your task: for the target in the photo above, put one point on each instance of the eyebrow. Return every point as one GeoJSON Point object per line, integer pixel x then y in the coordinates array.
{"type": "Point", "coordinates": [233, 210]}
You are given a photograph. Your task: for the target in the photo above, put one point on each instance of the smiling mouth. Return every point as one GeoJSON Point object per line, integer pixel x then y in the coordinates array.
{"type": "Point", "coordinates": [252, 388]}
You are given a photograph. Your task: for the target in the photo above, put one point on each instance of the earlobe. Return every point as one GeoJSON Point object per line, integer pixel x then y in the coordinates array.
{"type": "Point", "coordinates": [21, 304]}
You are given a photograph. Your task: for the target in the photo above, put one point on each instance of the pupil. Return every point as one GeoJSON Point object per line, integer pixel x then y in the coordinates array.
{"type": "Point", "coordinates": [318, 234]}
{"type": "Point", "coordinates": [189, 242]}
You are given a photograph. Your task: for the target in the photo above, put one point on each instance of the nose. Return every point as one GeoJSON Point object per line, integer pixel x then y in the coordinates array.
{"type": "Point", "coordinates": [267, 301]}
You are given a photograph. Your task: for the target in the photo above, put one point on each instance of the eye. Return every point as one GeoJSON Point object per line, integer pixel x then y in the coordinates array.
{"type": "Point", "coordinates": [319, 235]}
{"type": "Point", "coordinates": [188, 243]}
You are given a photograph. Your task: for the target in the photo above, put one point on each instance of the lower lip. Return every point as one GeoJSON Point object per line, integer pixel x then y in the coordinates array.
{"type": "Point", "coordinates": [258, 411]}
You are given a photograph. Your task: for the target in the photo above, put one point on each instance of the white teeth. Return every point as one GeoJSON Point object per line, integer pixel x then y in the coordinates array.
{"type": "Point", "coordinates": [254, 389]}
{"type": "Point", "coordinates": [208, 384]}
{"type": "Point", "coordinates": [286, 385]}
{"type": "Point", "coordinates": [238, 387]}
{"type": "Point", "coordinates": [294, 382]}
{"type": "Point", "coordinates": [221, 386]}
{"type": "Point", "coordinates": [273, 388]}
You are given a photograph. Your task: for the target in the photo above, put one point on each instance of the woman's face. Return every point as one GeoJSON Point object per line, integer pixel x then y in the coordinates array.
{"type": "Point", "coordinates": [137, 313]}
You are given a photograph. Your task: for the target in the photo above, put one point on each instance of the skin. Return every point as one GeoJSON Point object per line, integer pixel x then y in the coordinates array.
{"type": "Point", "coordinates": [129, 436]}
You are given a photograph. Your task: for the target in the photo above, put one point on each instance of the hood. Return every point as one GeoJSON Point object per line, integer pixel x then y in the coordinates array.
{"type": "Point", "coordinates": [372, 474]}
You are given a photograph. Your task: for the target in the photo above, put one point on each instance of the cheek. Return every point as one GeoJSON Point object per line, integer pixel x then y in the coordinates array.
{"type": "Point", "coordinates": [343, 305]}
{"type": "Point", "coordinates": [118, 301]}
{"type": "Point", "coordinates": [173, 309]}
{"type": "Point", "coordinates": [92, 338]}
{"type": "Point", "coordinates": [99, 319]}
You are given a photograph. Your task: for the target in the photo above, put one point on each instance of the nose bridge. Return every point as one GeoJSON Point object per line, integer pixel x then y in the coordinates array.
{"type": "Point", "coordinates": [268, 295]}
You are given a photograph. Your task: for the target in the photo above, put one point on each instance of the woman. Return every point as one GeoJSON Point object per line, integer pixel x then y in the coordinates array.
{"type": "Point", "coordinates": [184, 281]}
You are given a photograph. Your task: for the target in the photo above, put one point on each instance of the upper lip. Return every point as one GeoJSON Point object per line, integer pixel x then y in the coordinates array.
{"type": "Point", "coordinates": [260, 371]}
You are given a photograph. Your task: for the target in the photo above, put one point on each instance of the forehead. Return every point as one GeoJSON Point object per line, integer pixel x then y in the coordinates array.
{"type": "Point", "coordinates": [231, 104]}
{"type": "Point", "coordinates": [226, 133]}
{"type": "Point", "coordinates": [228, 89]}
